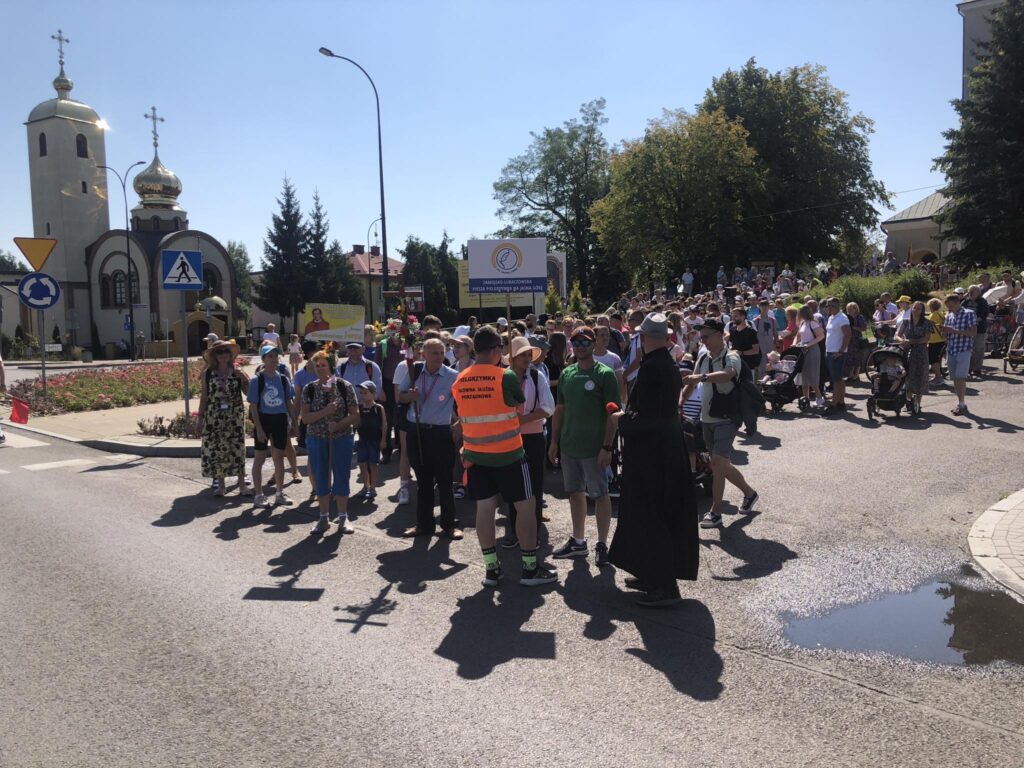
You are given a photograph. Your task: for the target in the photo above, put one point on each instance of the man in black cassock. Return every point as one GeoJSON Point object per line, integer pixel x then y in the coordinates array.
{"type": "Point", "coordinates": [656, 538]}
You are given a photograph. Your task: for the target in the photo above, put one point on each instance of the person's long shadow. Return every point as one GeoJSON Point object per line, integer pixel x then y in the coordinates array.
{"type": "Point", "coordinates": [229, 528]}
{"type": "Point", "coordinates": [308, 552]}
{"type": "Point", "coordinates": [761, 557]}
{"type": "Point", "coordinates": [1002, 426]}
{"type": "Point", "coordinates": [412, 567]}
{"type": "Point", "coordinates": [762, 441]}
{"type": "Point", "coordinates": [186, 509]}
{"type": "Point", "coordinates": [487, 630]}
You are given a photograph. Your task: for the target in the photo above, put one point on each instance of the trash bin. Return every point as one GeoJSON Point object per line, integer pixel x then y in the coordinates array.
{"type": "Point", "coordinates": [110, 350]}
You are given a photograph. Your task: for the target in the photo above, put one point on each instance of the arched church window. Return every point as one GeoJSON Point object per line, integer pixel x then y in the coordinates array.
{"type": "Point", "coordinates": [42, 145]}
{"type": "Point", "coordinates": [135, 286]}
{"type": "Point", "coordinates": [177, 223]}
{"type": "Point", "coordinates": [119, 281]}
{"type": "Point", "coordinates": [211, 280]}
{"type": "Point", "coordinates": [104, 290]}
{"type": "Point", "coordinates": [155, 222]}
{"type": "Point", "coordinates": [82, 145]}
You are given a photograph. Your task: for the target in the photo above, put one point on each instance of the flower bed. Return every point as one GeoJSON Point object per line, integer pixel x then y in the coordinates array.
{"type": "Point", "coordinates": [93, 390]}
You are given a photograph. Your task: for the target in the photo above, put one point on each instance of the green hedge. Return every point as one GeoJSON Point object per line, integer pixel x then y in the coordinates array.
{"type": "Point", "coordinates": [864, 290]}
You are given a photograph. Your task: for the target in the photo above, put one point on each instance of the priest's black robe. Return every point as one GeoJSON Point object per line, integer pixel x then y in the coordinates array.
{"type": "Point", "coordinates": [656, 537]}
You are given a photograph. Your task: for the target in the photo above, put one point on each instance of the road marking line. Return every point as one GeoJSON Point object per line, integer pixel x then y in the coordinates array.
{"type": "Point", "coordinates": [20, 441]}
{"type": "Point", "coordinates": [123, 457]}
{"type": "Point", "coordinates": [4, 472]}
{"type": "Point", "coordinates": [58, 464]}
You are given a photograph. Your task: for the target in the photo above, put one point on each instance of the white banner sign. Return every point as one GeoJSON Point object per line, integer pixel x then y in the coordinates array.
{"type": "Point", "coordinates": [518, 265]}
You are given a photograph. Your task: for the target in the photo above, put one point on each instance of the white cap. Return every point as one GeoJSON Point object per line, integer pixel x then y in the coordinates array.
{"type": "Point", "coordinates": [502, 321]}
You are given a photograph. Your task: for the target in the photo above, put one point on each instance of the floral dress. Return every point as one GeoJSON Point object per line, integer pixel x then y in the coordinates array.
{"type": "Point", "coordinates": [856, 351]}
{"type": "Point", "coordinates": [223, 427]}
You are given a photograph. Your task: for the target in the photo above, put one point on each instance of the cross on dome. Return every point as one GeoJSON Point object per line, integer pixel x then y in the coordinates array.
{"type": "Point", "coordinates": [152, 116]}
{"type": "Point", "coordinates": [59, 37]}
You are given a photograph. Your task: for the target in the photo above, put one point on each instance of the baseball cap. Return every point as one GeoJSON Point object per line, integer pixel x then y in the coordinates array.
{"type": "Point", "coordinates": [502, 322]}
{"type": "Point", "coordinates": [712, 325]}
{"type": "Point", "coordinates": [354, 344]}
{"type": "Point", "coordinates": [264, 351]}
{"type": "Point", "coordinates": [368, 385]}
{"type": "Point", "coordinates": [585, 331]}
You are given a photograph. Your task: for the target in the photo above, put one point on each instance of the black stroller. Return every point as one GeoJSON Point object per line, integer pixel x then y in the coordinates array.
{"type": "Point", "coordinates": [889, 393]}
{"type": "Point", "coordinates": [693, 436]}
{"type": "Point", "coordinates": [785, 390]}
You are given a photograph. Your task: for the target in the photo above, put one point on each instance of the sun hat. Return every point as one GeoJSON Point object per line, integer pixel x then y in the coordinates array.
{"type": "Point", "coordinates": [264, 351]}
{"type": "Point", "coordinates": [540, 343]}
{"type": "Point", "coordinates": [211, 337]}
{"type": "Point", "coordinates": [904, 299]}
{"type": "Point", "coordinates": [212, 350]}
{"type": "Point", "coordinates": [521, 345]}
{"type": "Point", "coordinates": [655, 325]}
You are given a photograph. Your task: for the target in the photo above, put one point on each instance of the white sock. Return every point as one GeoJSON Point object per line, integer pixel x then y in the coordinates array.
{"type": "Point", "coordinates": [579, 541]}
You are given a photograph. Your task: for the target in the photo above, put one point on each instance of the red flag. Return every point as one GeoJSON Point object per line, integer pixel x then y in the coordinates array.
{"type": "Point", "coordinates": [19, 411]}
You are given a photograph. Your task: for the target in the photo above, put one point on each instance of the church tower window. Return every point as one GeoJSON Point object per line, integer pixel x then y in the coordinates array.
{"type": "Point", "coordinates": [118, 280]}
{"type": "Point", "coordinates": [85, 188]}
{"type": "Point", "coordinates": [42, 145]}
{"type": "Point", "coordinates": [82, 145]}
{"type": "Point", "coordinates": [155, 221]}
{"type": "Point", "coordinates": [104, 291]}
{"type": "Point", "coordinates": [47, 227]}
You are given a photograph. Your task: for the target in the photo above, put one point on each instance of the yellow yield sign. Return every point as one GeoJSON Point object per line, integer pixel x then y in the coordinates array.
{"type": "Point", "coordinates": [36, 249]}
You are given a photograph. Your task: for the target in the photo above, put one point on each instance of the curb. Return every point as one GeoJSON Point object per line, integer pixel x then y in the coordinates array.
{"type": "Point", "coordinates": [117, 446]}
{"type": "Point", "coordinates": [987, 542]}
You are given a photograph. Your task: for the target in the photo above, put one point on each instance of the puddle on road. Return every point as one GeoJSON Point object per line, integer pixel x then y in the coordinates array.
{"type": "Point", "coordinates": [942, 622]}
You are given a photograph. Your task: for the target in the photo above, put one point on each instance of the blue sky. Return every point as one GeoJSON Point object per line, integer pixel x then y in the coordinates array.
{"type": "Point", "coordinates": [248, 99]}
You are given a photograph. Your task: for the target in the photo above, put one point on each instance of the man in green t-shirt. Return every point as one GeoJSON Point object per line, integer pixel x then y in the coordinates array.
{"type": "Point", "coordinates": [581, 440]}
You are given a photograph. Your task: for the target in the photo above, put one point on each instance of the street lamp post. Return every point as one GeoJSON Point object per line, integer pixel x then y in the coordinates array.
{"type": "Point", "coordinates": [380, 161]}
{"type": "Point", "coordinates": [369, 269]}
{"type": "Point", "coordinates": [127, 253]}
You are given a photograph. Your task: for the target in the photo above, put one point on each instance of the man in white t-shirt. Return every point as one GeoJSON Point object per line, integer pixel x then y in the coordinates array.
{"type": "Point", "coordinates": [271, 337]}
{"type": "Point", "coordinates": [688, 282]}
{"type": "Point", "coordinates": [837, 339]}
{"type": "Point", "coordinates": [602, 336]}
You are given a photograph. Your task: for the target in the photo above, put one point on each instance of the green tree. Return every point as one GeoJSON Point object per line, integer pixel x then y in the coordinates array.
{"type": "Point", "coordinates": [421, 268]}
{"type": "Point", "coordinates": [284, 287]}
{"type": "Point", "coordinates": [548, 190]}
{"type": "Point", "coordinates": [818, 183]}
{"type": "Point", "coordinates": [552, 300]}
{"type": "Point", "coordinates": [577, 306]}
{"type": "Point", "coordinates": [448, 269]}
{"type": "Point", "coordinates": [984, 157]}
{"type": "Point", "coordinates": [331, 277]}
{"type": "Point", "coordinates": [346, 288]}
{"type": "Point", "coordinates": [677, 196]}
{"type": "Point", "coordinates": [11, 263]}
{"type": "Point", "coordinates": [238, 254]}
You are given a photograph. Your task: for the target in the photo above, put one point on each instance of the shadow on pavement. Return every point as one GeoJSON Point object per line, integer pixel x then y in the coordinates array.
{"type": "Point", "coordinates": [228, 528]}
{"type": "Point", "coordinates": [309, 551]}
{"type": "Point", "coordinates": [186, 509]}
{"type": "Point", "coordinates": [412, 567]}
{"type": "Point", "coordinates": [363, 615]}
{"type": "Point", "coordinates": [761, 557]}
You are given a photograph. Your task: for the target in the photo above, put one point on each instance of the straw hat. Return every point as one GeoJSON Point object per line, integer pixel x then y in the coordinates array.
{"type": "Point", "coordinates": [520, 345]}
{"type": "Point", "coordinates": [211, 352]}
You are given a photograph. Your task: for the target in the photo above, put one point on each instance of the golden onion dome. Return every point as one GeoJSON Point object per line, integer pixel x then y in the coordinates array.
{"type": "Point", "coordinates": [157, 185]}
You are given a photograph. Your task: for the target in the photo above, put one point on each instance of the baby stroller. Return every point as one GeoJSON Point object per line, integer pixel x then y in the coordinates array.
{"type": "Point", "coordinates": [1015, 350]}
{"type": "Point", "coordinates": [1000, 326]}
{"type": "Point", "coordinates": [884, 397]}
{"type": "Point", "coordinates": [785, 390]}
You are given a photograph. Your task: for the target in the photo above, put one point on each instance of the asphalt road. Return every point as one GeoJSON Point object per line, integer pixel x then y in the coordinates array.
{"type": "Point", "coordinates": [144, 623]}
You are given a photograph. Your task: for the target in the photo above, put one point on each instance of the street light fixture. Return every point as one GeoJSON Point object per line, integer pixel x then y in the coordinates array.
{"type": "Point", "coordinates": [127, 253]}
{"type": "Point", "coordinates": [380, 160]}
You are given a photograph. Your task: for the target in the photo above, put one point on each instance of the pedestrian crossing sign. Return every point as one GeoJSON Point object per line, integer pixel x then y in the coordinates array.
{"type": "Point", "coordinates": [182, 270]}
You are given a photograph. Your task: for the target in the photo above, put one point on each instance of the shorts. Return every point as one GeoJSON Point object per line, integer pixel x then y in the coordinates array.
{"type": "Point", "coordinates": [836, 367]}
{"type": "Point", "coordinates": [584, 475]}
{"type": "Point", "coordinates": [401, 421]}
{"type": "Point", "coordinates": [275, 426]}
{"type": "Point", "coordinates": [295, 359]}
{"type": "Point", "coordinates": [935, 351]}
{"type": "Point", "coordinates": [959, 364]}
{"type": "Point", "coordinates": [511, 481]}
{"type": "Point", "coordinates": [718, 437]}
{"type": "Point", "coordinates": [368, 451]}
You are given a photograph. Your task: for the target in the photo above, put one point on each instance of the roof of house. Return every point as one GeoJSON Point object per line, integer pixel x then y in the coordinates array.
{"type": "Point", "coordinates": [363, 262]}
{"type": "Point", "coordinates": [921, 210]}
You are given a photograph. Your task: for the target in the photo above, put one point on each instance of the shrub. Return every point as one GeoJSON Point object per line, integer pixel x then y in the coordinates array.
{"type": "Point", "coordinates": [552, 301]}
{"type": "Point", "coordinates": [577, 306]}
{"type": "Point", "coordinates": [863, 291]}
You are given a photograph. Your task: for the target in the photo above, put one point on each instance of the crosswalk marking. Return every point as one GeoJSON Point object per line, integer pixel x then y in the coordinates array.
{"type": "Point", "coordinates": [58, 464]}
{"type": "Point", "coordinates": [4, 472]}
{"type": "Point", "coordinates": [20, 441]}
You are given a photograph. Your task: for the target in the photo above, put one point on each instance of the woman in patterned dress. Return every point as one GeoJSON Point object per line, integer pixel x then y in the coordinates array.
{"type": "Point", "coordinates": [857, 349]}
{"type": "Point", "coordinates": [913, 334]}
{"type": "Point", "coordinates": [222, 416]}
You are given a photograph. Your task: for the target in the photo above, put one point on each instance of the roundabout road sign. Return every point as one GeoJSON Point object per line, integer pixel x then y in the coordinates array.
{"type": "Point", "coordinates": [38, 290]}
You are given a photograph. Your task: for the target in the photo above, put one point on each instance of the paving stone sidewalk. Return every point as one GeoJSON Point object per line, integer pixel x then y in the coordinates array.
{"type": "Point", "coordinates": [997, 541]}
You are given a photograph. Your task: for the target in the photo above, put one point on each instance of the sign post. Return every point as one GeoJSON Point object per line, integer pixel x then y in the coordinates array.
{"type": "Point", "coordinates": [182, 271]}
{"type": "Point", "coordinates": [37, 290]}
{"type": "Point", "coordinates": [42, 351]}
{"type": "Point", "coordinates": [517, 265]}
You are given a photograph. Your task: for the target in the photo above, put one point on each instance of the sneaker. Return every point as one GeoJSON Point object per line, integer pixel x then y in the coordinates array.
{"type": "Point", "coordinates": [711, 520]}
{"type": "Point", "coordinates": [371, 494]}
{"type": "Point", "coordinates": [322, 525]}
{"type": "Point", "coordinates": [510, 541]}
{"type": "Point", "coordinates": [601, 550]}
{"type": "Point", "coordinates": [571, 549]}
{"type": "Point", "coordinates": [460, 492]}
{"type": "Point", "coordinates": [819, 403]}
{"type": "Point", "coordinates": [403, 495]}
{"type": "Point", "coordinates": [283, 500]}
{"type": "Point", "coordinates": [492, 577]}
{"type": "Point", "coordinates": [260, 501]}
{"type": "Point", "coordinates": [613, 490]}
{"type": "Point", "coordinates": [345, 527]}
{"type": "Point", "coordinates": [659, 598]}
{"type": "Point", "coordinates": [538, 576]}
{"type": "Point", "coordinates": [749, 502]}
{"type": "Point", "coordinates": [362, 494]}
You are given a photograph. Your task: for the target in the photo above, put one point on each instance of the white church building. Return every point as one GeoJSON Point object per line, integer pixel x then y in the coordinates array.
{"type": "Point", "coordinates": [70, 202]}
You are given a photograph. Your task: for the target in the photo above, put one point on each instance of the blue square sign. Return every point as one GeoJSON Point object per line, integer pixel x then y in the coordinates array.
{"type": "Point", "coordinates": [182, 270]}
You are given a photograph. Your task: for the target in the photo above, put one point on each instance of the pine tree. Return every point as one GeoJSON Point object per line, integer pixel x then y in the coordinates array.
{"type": "Point", "coordinates": [284, 287]}
{"type": "Point", "coordinates": [982, 161]}
{"type": "Point", "coordinates": [239, 257]}
{"type": "Point", "coordinates": [577, 306]}
{"type": "Point", "coordinates": [343, 278]}
{"type": "Point", "coordinates": [322, 286]}
{"type": "Point", "coordinates": [552, 301]}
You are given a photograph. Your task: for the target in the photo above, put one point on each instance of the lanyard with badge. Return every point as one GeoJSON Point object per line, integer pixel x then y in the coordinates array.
{"type": "Point", "coordinates": [222, 390]}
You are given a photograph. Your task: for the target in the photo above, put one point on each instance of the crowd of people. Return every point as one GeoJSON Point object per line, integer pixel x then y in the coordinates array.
{"type": "Point", "coordinates": [606, 399]}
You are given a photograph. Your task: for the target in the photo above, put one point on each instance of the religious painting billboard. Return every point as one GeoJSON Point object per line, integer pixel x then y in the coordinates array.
{"type": "Point", "coordinates": [333, 322]}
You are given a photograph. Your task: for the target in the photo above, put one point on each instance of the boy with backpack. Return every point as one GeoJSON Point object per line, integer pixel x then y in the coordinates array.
{"type": "Point", "coordinates": [271, 398]}
{"type": "Point", "coordinates": [373, 426]}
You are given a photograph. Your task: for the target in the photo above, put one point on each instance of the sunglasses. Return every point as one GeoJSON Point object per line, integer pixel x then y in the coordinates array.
{"type": "Point", "coordinates": [581, 342]}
